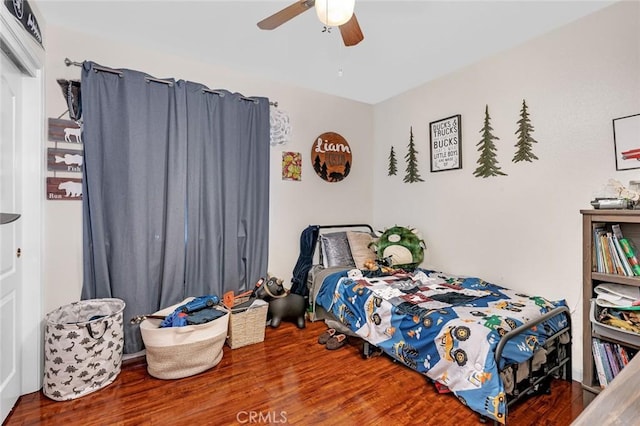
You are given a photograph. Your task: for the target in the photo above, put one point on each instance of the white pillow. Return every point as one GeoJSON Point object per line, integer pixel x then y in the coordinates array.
{"type": "Point", "coordinates": [360, 250]}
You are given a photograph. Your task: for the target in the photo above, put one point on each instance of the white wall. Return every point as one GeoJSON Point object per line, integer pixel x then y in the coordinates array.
{"type": "Point", "coordinates": [522, 230]}
{"type": "Point", "coordinates": [293, 205]}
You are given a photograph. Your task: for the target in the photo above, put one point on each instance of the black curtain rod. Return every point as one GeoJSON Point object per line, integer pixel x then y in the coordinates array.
{"type": "Point", "coordinates": [350, 225]}
{"type": "Point", "coordinates": [68, 62]}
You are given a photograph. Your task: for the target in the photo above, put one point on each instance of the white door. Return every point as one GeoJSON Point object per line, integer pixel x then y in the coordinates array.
{"type": "Point", "coordinates": [10, 233]}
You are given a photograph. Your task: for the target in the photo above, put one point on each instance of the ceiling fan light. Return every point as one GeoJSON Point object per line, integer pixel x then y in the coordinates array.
{"type": "Point", "coordinates": [334, 13]}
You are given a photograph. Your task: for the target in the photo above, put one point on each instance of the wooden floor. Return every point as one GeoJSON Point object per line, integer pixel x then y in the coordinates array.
{"type": "Point", "coordinates": [287, 379]}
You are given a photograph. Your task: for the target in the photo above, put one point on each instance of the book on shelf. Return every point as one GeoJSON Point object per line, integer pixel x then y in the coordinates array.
{"type": "Point", "coordinates": [597, 255]}
{"type": "Point", "coordinates": [609, 358]}
{"type": "Point", "coordinates": [599, 261]}
{"type": "Point", "coordinates": [612, 359]}
{"type": "Point", "coordinates": [627, 354]}
{"type": "Point", "coordinates": [617, 351]}
{"type": "Point", "coordinates": [613, 253]}
{"type": "Point", "coordinates": [624, 357]}
{"type": "Point", "coordinates": [608, 371]}
{"type": "Point", "coordinates": [606, 254]}
{"type": "Point", "coordinates": [597, 358]}
{"type": "Point", "coordinates": [622, 256]}
{"type": "Point", "coordinates": [628, 248]}
{"type": "Point", "coordinates": [615, 258]}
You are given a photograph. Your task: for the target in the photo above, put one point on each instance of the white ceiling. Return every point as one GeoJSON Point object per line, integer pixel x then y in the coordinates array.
{"type": "Point", "coordinates": [407, 43]}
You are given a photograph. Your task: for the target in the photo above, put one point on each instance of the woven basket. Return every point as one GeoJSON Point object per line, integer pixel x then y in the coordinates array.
{"type": "Point", "coordinates": [247, 326]}
{"type": "Point", "coordinates": [177, 352]}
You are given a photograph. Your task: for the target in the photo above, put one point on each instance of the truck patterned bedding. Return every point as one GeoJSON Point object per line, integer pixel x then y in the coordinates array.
{"type": "Point", "coordinates": [445, 327]}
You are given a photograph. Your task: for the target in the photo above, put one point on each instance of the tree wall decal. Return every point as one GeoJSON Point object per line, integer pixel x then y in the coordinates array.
{"type": "Point", "coordinates": [487, 162]}
{"type": "Point", "coordinates": [393, 163]}
{"type": "Point", "coordinates": [413, 175]}
{"type": "Point", "coordinates": [525, 140]}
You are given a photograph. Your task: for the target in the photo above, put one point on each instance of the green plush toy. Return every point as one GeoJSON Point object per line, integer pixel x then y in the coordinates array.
{"type": "Point", "coordinates": [402, 246]}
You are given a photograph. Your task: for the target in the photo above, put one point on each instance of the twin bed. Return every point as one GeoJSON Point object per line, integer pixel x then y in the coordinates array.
{"type": "Point", "coordinates": [489, 345]}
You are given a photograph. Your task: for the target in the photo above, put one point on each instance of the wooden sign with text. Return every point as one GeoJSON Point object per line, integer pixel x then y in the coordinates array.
{"type": "Point", "coordinates": [64, 131]}
{"type": "Point", "coordinates": [64, 188]}
{"type": "Point", "coordinates": [445, 138]}
{"type": "Point", "coordinates": [331, 157]}
{"type": "Point", "coordinates": [64, 160]}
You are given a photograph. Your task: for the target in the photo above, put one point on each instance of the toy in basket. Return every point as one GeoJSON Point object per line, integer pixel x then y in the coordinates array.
{"type": "Point", "coordinates": [182, 351]}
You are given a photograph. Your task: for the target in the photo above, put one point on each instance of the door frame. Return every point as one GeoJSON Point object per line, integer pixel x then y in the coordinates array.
{"type": "Point", "coordinates": [30, 59]}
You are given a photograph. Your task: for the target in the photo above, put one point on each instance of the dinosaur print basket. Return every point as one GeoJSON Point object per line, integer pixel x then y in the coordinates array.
{"type": "Point", "coordinates": [82, 348]}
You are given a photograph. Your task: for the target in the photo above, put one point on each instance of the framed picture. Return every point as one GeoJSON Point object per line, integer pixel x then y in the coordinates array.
{"type": "Point", "coordinates": [626, 141]}
{"type": "Point", "coordinates": [291, 166]}
{"type": "Point", "coordinates": [445, 137]}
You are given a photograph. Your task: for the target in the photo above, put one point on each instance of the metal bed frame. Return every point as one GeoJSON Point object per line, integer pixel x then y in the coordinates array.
{"type": "Point", "coordinates": [557, 365]}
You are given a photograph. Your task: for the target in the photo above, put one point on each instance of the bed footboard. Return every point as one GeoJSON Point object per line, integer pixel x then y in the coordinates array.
{"type": "Point", "coordinates": [538, 375]}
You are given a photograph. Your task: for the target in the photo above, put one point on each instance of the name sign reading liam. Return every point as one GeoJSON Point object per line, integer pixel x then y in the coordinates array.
{"type": "Point", "coordinates": [331, 157]}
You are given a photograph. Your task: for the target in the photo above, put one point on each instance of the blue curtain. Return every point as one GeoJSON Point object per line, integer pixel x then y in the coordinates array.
{"type": "Point", "coordinates": [169, 208]}
{"type": "Point", "coordinates": [227, 190]}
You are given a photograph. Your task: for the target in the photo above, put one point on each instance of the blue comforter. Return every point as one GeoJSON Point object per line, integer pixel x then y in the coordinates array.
{"type": "Point", "coordinates": [443, 326]}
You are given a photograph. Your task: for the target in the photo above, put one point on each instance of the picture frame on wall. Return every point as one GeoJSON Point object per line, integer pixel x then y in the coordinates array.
{"type": "Point", "coordinates": [626, 142]}
{"type": "Point", "coordinates": [445, 143]}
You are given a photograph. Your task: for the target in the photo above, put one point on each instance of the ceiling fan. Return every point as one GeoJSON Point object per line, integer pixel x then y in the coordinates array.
{"type": "Point", "coordinates": [326, 9]}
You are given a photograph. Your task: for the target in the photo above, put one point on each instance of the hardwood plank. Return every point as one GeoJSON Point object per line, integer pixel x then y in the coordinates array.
{"type": "Point", "coordinates": [287, 379]}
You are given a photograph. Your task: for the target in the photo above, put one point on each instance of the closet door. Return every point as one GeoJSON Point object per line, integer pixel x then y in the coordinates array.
{"type": "Point", "coordinates": [10, 233]}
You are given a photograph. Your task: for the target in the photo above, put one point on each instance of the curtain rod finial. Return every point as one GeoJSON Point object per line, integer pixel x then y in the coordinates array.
{"type": "Point", "coordinates": [68, 62]}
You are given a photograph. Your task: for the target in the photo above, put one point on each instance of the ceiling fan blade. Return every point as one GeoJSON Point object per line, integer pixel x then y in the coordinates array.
{"type": "Point", "coordinates": [289, 12]}
{"type": "Point", "coordinates": [351, 32]}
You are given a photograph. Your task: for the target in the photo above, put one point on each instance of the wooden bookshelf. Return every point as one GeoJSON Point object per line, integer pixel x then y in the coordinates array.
{"type": "Point", "coordinates": [629, 221]}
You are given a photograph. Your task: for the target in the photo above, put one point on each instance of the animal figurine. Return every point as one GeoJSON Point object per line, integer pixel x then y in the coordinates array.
{"type": "Point", "coordinates": [282, 304]}
{"type": "Point", "coordinates": [270, 290]}
{"type": "Point", "coordinates": [292, 306]}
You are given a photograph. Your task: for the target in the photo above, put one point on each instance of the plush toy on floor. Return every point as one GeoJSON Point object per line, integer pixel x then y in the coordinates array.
{"type": "Point", "coordinates": [282, 304]}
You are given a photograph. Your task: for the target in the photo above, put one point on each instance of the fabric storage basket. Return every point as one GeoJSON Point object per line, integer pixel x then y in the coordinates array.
{"type": "Point", "coordinates": [176, 352]}
{"type": "Point", "coordinates": [83, 347]}
{"type": "Point", "coordinates": [247, 325]}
